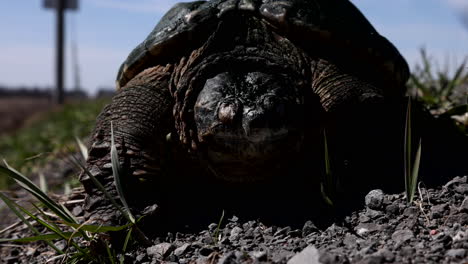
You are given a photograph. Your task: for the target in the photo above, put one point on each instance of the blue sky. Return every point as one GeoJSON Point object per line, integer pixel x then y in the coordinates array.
{"type": "Point", "coordinates": [107, 30]}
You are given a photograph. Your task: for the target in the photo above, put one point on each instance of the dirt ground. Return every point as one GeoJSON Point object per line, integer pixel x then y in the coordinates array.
{"type": "Point", "coordinates": [15, 111]}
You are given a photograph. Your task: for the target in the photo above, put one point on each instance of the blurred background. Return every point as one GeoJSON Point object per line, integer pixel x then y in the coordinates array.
{"type": "Point", "coordinates": [98, 35]}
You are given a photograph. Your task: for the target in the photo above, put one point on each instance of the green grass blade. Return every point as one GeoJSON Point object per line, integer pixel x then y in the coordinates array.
{"type": "Point", "coordinates": [12, 205]}
{"type": "Point", "coordinates": [28, 185]}
{"type": "Point", "coordinates": [118, 174]}
{"type": "Point", "coordinates": [44, 215]}
{"type": "Point", "coordinates": [127, 239]}
{"type": "Point", "coordinates": [407, 150]}
{"type": "Point", "coordinates": [457, 78]}
{"type": "Point", "coordinates": [327, 158]}
{"type": "Point", "coordinates": [82, 147]}
{"type": "Point", "coordinates": [415, 172]}
{"type": "Point", "coordinates": [218, 228]}
{"type": "Point", "coordinates": [111, 256]}
{"type": "Point", "coordinates": [124, 248]}
{"type": "Point", "coordinates": [325, 196]}
{"type": "Point", "coordinates": [328, 187]}
{"type": "Point", "coordinates": [50, 227]}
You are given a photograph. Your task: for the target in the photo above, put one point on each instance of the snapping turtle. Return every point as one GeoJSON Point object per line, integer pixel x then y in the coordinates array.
{"type": "Point", "coordinates": [228, 98]}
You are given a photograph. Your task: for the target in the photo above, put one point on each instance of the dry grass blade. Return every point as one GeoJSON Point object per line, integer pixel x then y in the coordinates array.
{"type": "Point", "coordinates": [83, 148]}
{"type": "Point", "coordinates": [42, 183]}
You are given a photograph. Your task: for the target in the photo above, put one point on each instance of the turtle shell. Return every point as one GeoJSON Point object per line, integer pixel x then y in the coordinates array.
{"type": "Point", "coordinates": [335, 25]}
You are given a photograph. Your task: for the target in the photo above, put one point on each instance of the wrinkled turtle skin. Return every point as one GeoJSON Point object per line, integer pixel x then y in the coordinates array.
{"type": "Point", "coordinates": [224, 106]}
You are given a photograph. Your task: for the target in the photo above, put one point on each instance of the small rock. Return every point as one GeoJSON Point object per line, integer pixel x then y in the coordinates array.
{"type": "Point", "coordinates": [229, 258]}
{"type": "Point", "coordinates": [456, 253]}
{"type": "Point", "coordinates": [402, 236]}
{"type": "Point", "coordinates": [235, 232]}
{"type": "Point", "coordinates": [407, 251]}
{"type": "Point", "coordinates": [455, 180]}
{"type": "Point", "coordinates": [282, 231]}
{"type": "Point", "coordinates": [364, 218]}
{"type": "Point", "coordinates": [392, 209]}
{"type": "Point", "coordinates": [437, 211]}
{"type": "Point", "coordinates": [373, 259]}
{"type": "Point", "coordinates": [182, 249]}
{"type": "Point", "coordinates": [460, 236]}
{"type": "Point", "coordinates": [268, 231]}
{"type": "Point", "coordinates": [387, 254]}
{"type": "Point", "coordinates": [373, 214]}
{"type": "Point", "coordinates": [461, 218]}
{"type": "Point", "coordinates": [462, 188]}
{"type": "Point", "coordinates": [139, 258]}
{"type": "Point", "coordinates": [411, 211]}
{"type": "Point", "coordinates": [259, 255]}
{"type": "Point", "coordinates": [30, 251]}
{"type": "Point", "coordinates": [60, 244]}
{"type": "Point", "coordinates": [365, 228]}
{"type": "Point", "coordinates": [161, 250]}
{"type": "Point", "coordinates": [350, 240]}
{"type": "Point", "coordinates": [361, 231]}
{"type": "Point", "coordinates": [435, 248]}
{"type": "Point", "coordinates": [205, 251]}
{"type": "Point", "coordinates": [77, 210]}
{"type": "Point", "coordinates": [309, 255]}
{"type": "Point", "coordinates": [464, 205]}
{"type": "Point", "coordinates": [212, 227]}
{"type": "Point", "coordinates": [281, 255]}
{"type": "Point", "coordinates": [294, 233]}
{"type": "Point", "coordinates": [374, 199]}
{"type": "Point", "coordinates": [308, 228]}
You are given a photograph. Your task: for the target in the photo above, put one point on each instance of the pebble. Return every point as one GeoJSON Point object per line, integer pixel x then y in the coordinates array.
{"type": "Point", "coordinates": [161, 250]}
{"type": "Point", "coordinates": [393, 232]}
{"type": "Point", "coordinates": [309, 255]}
{"type": "Point", "coordinates": [437, 211]}
{"type": "Point", "coordinates": [462, 188]}
{"type": "Point", "coordinates": [374, 199]}
{"type": "Point", "coordinates": [182, 249]}
{"type": "Point", "coordinates": [401, 236]}
{"type": "Point", "coordinates": [235, 232]}
{"type": "Point", "coordinates": [464, 205]}
{"type": "Point", "coordinates": [456, 253]}
{"type": "Point", "coordinates": [308, 228]}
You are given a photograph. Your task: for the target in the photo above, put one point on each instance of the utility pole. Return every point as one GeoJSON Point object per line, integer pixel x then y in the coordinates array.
{"type": "Point", "coordinates": [60, 6]}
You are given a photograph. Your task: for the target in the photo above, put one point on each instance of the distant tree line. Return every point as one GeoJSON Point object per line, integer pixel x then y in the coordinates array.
{"type": "Point", "coordinates": [25, 91]}
{"type": "Point", "coordinates": [47, 92]}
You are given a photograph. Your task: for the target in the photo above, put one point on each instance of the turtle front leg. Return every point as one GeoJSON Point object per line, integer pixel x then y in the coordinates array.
{"type": "Point", "coordinates": [140, 114]}
{"type": "Point", "coordinates": [364, 135]}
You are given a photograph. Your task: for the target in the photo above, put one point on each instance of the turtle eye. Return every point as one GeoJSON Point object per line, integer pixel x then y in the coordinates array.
{"type": "Point", "coordinates": [273, 104]}
{"type": "Point", "coordinates": [228, 111]}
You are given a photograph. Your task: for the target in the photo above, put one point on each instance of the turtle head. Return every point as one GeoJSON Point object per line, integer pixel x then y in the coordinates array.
{"type": "Point", "coordinates": [250, 124]}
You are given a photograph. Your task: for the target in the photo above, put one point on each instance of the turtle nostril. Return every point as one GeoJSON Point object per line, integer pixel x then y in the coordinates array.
{"type": "Point", "coordinates": [227, 112]}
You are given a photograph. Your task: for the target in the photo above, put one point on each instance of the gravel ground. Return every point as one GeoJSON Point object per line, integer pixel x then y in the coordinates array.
{"type": "Point", "coordinates": [385, 230]}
